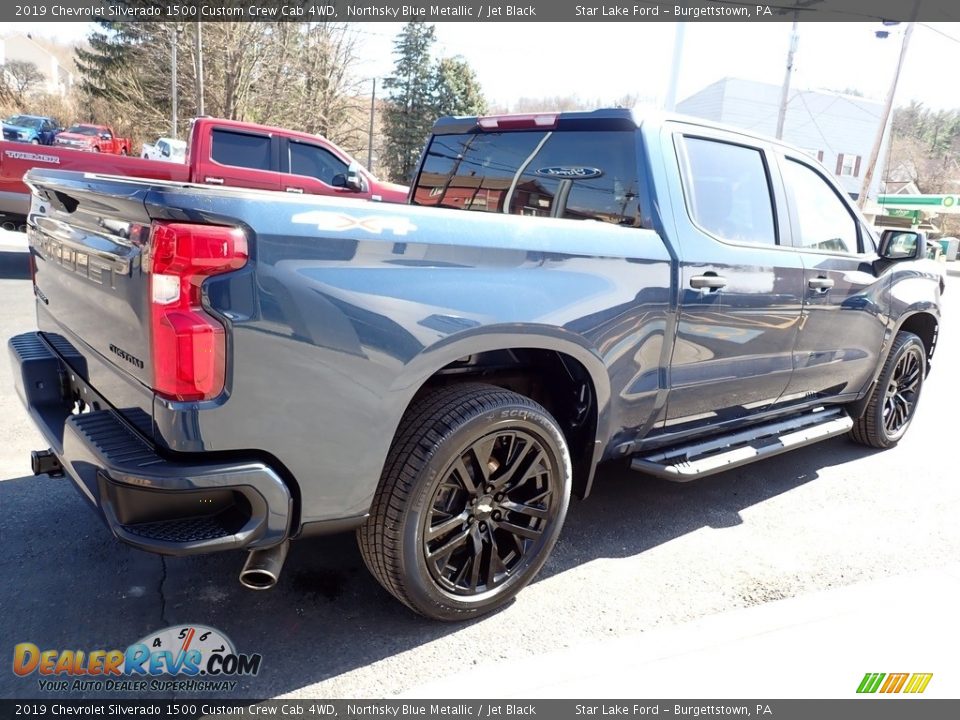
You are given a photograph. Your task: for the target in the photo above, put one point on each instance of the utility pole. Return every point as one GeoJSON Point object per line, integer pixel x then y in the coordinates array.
{"type": "Point", "coordinates": [785, 93]}
{"type": "Point", "coordinates": [198, 41]}
{"type": "Point", "coordinates": [885, 117]}
{"type": "Point", "coordinates": [670, 101]}
{"type": "Point", "coordinates": [173, 80]}
{"type": "Point", "coordinates": [373, 109]}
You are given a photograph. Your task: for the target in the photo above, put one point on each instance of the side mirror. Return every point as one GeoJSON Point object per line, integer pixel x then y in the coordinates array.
{"type": "Point", "coordinates": [902, 245]}
{"type": "Point", "coordinates": [353, 179]}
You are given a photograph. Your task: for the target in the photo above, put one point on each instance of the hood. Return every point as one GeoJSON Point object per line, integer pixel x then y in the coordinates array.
{"type": "Point", "coordinates": [18, 129]}
{"type": "Point", "coordinates": [89, 139]}
{"type": "Point", "coordinates": [391, 192]}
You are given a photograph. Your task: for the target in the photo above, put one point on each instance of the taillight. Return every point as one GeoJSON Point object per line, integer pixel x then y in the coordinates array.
{"type": "Point", "coordinates": [187, 345]}
{"type": "Point", "coordinates": [518, 122]}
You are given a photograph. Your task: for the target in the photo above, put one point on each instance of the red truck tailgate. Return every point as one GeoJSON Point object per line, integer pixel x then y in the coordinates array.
{"type": "Point", "coordinates": [17, 158]}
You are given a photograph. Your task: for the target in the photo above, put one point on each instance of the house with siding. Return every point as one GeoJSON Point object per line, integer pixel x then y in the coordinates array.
{"type": "Point", "coordinates": [835, 128]}
{"type": "Point", "coordinates": [57, 79]}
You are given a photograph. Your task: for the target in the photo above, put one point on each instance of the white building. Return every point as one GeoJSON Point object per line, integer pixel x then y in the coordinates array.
{"type": "Point", "coordinates": [837, 129]}
{"type": "Point", "coordinates": [57, 79]}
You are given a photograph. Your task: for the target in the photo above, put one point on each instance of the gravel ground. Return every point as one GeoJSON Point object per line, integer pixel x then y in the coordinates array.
{"type": "Point", "coordinates": [639, 554]}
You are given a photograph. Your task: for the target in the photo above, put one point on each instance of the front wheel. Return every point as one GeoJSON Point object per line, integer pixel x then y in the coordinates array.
{"type": "Point", "coordinates": [471, 501]}
{"type": "Point", "coordinates": [893, 400]}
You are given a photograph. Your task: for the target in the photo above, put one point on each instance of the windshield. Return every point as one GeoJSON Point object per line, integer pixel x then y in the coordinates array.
{"type": "Point", "coordinates": [23, 121]}
{"type": "Point", "coordinates": [84, 130]}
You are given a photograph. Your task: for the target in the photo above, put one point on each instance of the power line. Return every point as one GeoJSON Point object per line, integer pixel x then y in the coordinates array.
{"type": "Point", "coordinates": [939, 32]}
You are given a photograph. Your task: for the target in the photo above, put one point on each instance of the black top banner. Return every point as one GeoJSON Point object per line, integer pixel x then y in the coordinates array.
{"type": "Point", "coordinates": [477, 10]}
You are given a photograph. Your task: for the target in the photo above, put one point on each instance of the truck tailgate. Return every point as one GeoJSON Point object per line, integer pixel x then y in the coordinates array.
{"type": "Point", "coordinates": [89, 284]}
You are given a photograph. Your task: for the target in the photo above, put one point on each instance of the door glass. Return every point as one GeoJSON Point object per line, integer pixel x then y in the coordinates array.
{"type": "Point", "coordinates": [727, 190]}
{"type": "Point", "coordinates": [823, 221]}
{"type": "Point", "coordinates": [316, 162]}
{"type": "Point", "coordinates": [582, 175]}
{"type": "Point", "coordinates": [241, 150]}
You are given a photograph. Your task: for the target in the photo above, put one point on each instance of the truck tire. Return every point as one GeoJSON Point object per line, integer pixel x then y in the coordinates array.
{"type": "Point", "coordinates": [893, 400]}
{"type": "Point", "coordinates": [470, 503]}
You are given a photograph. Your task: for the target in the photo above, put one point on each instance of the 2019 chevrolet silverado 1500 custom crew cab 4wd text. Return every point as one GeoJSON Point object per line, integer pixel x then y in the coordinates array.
{"type": "Point", "coordinates": [221, 368]}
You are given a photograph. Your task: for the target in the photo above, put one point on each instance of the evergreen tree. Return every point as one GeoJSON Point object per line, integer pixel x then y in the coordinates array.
{"type": "Point", "coordinates": [456, 90]}
{"type": "Point", "coordinates": [114, 47]}
{"type": "Point", "coordinates": [408, 115]}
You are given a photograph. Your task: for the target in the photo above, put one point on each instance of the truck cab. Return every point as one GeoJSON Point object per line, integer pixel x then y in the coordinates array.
{"type": "Point", "coordinates": [239, 154]}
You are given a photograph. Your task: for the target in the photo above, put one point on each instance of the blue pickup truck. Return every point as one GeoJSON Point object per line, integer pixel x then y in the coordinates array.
{"type": "Point", "coordinates": [232, 369]}
{"type": "Point", "coordinates": [33, 129]}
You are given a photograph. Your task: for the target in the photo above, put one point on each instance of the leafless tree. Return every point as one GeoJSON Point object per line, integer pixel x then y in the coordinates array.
{"type": "Point", "coordinates": [18, 78]}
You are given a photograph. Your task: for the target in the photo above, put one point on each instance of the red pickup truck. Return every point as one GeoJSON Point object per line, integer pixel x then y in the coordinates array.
{"type": "Point", "coordinates": [93, 138]}
{"type": "Point", "coordinates": [221, 152]}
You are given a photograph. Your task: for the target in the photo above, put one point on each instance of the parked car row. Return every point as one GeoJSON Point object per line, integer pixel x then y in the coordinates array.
{"type": "Point", "coordinates": [44, 130]}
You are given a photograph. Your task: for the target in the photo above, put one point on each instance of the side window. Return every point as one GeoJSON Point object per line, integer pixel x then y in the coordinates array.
{"type": "Point", "coordinates": [586, 175]}
{"type": "Point", "coordinates": [314, 161]}
{"type": "Point", "coordinates": [581, 175]}
{"type": "Point", "coordinates": [822, 220]}
{"type": "Point", "coordinates": [241, 150]}
{"type": "Point", "coordinates": [728, 192]}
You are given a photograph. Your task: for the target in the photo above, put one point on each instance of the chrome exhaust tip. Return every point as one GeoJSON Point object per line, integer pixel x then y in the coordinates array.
{"type": "Point", "coordinates": [262, 569]}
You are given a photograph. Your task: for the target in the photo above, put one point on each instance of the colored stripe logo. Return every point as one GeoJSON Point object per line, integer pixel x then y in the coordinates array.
{"type": "Point", "coordinates": [913, 683]}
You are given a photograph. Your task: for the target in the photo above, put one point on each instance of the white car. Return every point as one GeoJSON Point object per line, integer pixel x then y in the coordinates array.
{"type": "Point", "coordinates": [166, 149]}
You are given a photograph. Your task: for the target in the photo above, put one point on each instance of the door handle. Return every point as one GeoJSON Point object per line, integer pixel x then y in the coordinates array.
{"type": "Point", "coordinates": [820, 283]}
{"type": "Point", "coordinates": [709, 282]}
{"type": "Point", "coordinates": [213, 180]}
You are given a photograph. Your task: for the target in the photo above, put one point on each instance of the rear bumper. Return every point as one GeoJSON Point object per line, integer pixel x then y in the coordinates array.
{"type": "Point", "coordinates": [15, 203]}
{"type": "Point", "coordinates": [148, 501]}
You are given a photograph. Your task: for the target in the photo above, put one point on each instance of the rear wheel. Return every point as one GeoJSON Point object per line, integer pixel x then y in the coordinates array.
{"type": "Point", "coordinates": [894, 398]}
{"type": "Point", "coordinates": [34, 142]}
{"type": "Point", "coordinates": [471, 501]}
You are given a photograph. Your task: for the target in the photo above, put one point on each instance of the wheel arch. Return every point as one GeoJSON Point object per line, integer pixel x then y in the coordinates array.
{"type": "Point", "coordinates": [924, 325]}
{"type": "Point", "coordinates": [921, 322]}
{"type": "Point", "coordinates": [551, 368]}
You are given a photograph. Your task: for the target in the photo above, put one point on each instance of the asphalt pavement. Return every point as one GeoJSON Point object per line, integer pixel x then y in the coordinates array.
{"type": "Point", "coordinates": [802, 572]}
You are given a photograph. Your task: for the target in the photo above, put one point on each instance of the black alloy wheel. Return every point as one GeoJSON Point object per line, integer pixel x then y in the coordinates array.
{"type": "Point", "coordinates": [488, 515]}
{"type": "Point", "coordinates": [470, 503]}
{"type": "Point", "coordinates": [893, 400]}
{"type": "Point", "coordinates": [903, 391]}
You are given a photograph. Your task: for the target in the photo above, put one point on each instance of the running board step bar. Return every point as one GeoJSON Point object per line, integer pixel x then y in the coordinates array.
{"type": "Point", "coordinates": [725, 452]}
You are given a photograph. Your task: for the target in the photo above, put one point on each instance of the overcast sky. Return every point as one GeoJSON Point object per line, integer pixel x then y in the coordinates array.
{"type": "Point", "coordinates": [604, 61]}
